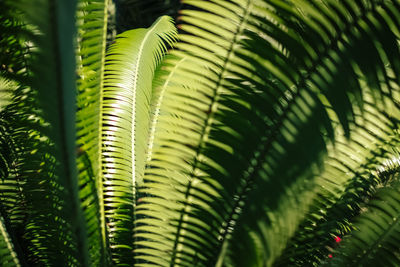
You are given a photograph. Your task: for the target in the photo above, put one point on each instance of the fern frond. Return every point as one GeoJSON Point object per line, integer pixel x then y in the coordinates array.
{"type": "Point", "coordinates": [244, 125]}
{"type": "Point", "coordinates": [127, 92]}
{"type": "Point", "coordinates": [56, 223]}
{"type": "Point", "coordinates": [376, 238]}
{"type": "Point", "coordinates": [92, 31]}
{"type": "Point", "coordinates": [345, 185]}
{"type": "Point", "coordinates": [188, 111]}
{"type": "Point", "coordinates": [320, 69]}
{"type": "Point", "coordinates": [8, 255]}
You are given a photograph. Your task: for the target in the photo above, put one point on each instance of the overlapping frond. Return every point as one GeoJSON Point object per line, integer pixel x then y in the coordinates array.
{"type": "Point", "coordinates": [347, 182]}
{"type": "Point", "coordinates": [186, 116]}
{"type": "Point", "coordinates": [127, 92]}
{"type": "Point", "coordinates": [55, 222]}
{"type": "Point", "coordinates": [8, 255]}
{"type": "Point", "coordinates": [92, 31]}
{"type": "Point", "coordinates": [12, 47]}
{"type": "Point", "coordinates": [376, 238]}
{"type": "Point", "coordinates": [252, 146]}
{"type": "Point", "coordinates": [244, 123]}
{"type": "Point", "coordinates": [334, 75]}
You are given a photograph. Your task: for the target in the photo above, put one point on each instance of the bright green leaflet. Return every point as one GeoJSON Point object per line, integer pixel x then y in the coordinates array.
{"type": "Point", "coordinates": [127, 92]}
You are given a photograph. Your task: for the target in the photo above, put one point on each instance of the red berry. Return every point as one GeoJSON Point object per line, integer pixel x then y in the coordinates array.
{"type": "Point", "coordinates": [337, 239]}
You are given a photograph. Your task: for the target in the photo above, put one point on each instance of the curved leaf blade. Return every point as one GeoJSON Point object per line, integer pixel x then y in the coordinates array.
{"type": "Point", "coordinates": [127, 92]}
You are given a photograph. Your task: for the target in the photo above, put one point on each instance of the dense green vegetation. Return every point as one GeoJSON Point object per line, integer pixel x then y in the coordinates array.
{"type": "Point", "coordinates": [253, 133]}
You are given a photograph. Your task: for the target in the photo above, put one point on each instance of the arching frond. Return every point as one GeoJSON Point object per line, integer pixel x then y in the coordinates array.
{"type": "Point", "coordinates": [262, 140]}
{"type": "Point", "coordinates": [326, 76]}
{"type": "Point", "coordinates": [244, 123]}
{"type": "Point", "coordinates": [127, 91]}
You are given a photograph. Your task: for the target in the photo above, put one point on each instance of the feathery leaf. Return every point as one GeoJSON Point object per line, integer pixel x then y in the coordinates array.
{"type": "Point", "coordinates": [127, 92]}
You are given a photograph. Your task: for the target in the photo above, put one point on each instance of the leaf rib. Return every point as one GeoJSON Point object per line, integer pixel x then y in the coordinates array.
{"type": "Point", "coordinates": [135, 84]}
{"type": "Point", "coordinates": [157, 105]}
{"type": "Point", "coordinates": [209, 121]}
{"type": "Point", "coordinates": [264, 149]}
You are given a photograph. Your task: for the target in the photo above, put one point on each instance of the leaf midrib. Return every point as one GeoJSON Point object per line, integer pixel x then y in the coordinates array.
{"type": "Point", "coordinates": [274, 132]}
{"type": "Point", "coordinates": [207, 127]}
{"type": "Point", "coordinates": [135, 85]}
{"type": "Point", "coordinates": [157, 110]}
{"type": "Point", "coordinates": [379, 241]}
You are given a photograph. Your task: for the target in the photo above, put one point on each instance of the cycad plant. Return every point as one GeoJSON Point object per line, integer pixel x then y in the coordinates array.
{"type": "Point", "coordinates": [264, 133]}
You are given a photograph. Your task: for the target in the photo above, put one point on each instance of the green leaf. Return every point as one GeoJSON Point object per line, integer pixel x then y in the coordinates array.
{"type": "Point", "coordinates": [8, 256]}
{"type": "Point", "coordinates": [127, 92]}
{"type": "Point", "coordinates": [377, 237]}
{"type": "Point", "coordinates": [92, 32]}
{"type": "Point", "coordinates": [346, 182]}
{"type": "Point", "coordinates": [57, 222]}
{"type": "Point", "coordinates": [245, 123]}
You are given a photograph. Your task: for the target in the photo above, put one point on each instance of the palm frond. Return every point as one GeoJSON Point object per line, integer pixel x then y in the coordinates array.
{"type": "Point", "coordinates": [8, 255]}
{"type": "Point", "coordinates": [13, 48]}
{"type": "Point", "coordinates": [52, 72]}
{"type": "Point", "coordinates": [344, 186]}
{"type": "Point", "coordinates": [324, 78]}
{"type": "Point", "coordinates": [260, 135]}
{"type": "Point", "coordinates": [92, 31]}
{"type": "Point", "coordinates": [183, 127]}
{"type": "Point", "coordinates": [244, 125]}
{"type": "Point", "coordinates": [376, 238]}
{"type": "Point", "coordinates": [129, 70]}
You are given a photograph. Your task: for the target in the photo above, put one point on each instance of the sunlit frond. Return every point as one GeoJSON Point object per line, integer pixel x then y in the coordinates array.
{"type": "Point", "coordinates": [126, 96]}
{"type": "Point", "coordinates": [245, 124]}
{"type": "Point", "coordinates": [91, 50]}
{"type": "Point", "coordinates": [269, 135]}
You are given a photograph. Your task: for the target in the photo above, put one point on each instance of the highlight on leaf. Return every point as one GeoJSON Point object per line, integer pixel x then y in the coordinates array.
{"type": "Point", "coordinates": [125, 113]}
{"type": "Point", "coordinates": [255, 133]}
